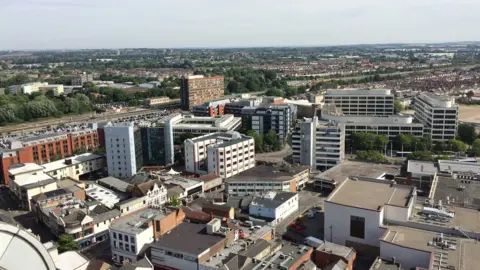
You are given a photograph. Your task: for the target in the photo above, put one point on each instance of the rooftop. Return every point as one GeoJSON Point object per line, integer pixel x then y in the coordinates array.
{"type": "Point", "coordinates": [106, 196]}
{"type": "Point", "coordinates": [458, 166]}
{"type": "Point", "coordinates": [457, 190]}
{"type": "Point", "coordinates": [71, 260]}
{"type": "Point", "coordinates": [338, 250]}
{"type": "Point", "coordinates": [268, 173]}
{"type": "Point", "coordinates": [371, 194]}
{"type": "Point", "coordinates": [114, 183]}
{"type": "Point", "coordinates": [409, 238]}
{"type": "Point", "coordinates": [33, 181]}
{"type": "Point", "coordinates": [21, 168]}
{"type": "Point", "coordinates": [421, 167]}
{"type": "Point", "coordinates": [382, 264]}
{"type": "Point", "coordinates": [348, 168]}
{"type": "Point", "coordinates": [71, 161]}
{"type": "Point", "coordinates": [222, 139]}
{"type": "Point", "coordinates": [137, 222]}
{"type": "Point", "coordinates": [273, 200]}
{"type": "Point", "coordinates": [195, 234]}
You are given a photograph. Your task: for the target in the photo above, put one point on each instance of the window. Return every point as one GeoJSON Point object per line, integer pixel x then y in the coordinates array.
{"type": "Point", "coordinates": [114, 236]}
{"type": "Point", "coordinates": [132, 239]}
{"type": "Point", "coordinates": [157, 226]}
{"type": "Point", "coordinates": [357, 227]}
{"type": "Point", "coordinates": [115, 243]}
{"type": "Point", "coordinates": [120, 237]}
{"type": "Point", "coordinates": [132, 248]}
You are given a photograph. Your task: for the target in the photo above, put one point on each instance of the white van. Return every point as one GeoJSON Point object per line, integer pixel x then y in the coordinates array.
{"type": "Point", "coordinates": [312, 241]}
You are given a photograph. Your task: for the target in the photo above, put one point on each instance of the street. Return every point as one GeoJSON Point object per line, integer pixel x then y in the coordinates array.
{"type": "Point", "coordinates": [25, 219]}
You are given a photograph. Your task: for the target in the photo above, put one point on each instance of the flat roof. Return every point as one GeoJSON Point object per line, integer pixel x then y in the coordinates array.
{"type": "Point", "coordinates": [34, 180]}
{"type": "Point", "coordinates": [424, 167]}
{"type": "Point", "coordinates": [338, 250]}
{"type": "Point", "coordinates": [70, 260]}
{"type": "Point", "coordinates": [137, 222]}
{"type": "Point", "coordinates": [59, 164]}
{"type": "Point", "coordinates": [371, 194]}
{"type": "Point", "coordinates": [19, 168]}
{"type": "Point", "coordinates": [273, 201]}
{"type": "Point", "coordinates": [104, 195]}
{"type": "Point", "coordinates": [268, 173]}
{"type": "Point", "coordinates": [458, 166]}
{"type": "Point", "coordinates": [409, 238]}
{"type": "Point", "coordinates": [115, 183]}
{"type": "Point", "coordinates": [348, 168]}
{"type": "Point", "coordinates": [456, 191]}
{"type": "Point", "coordinates": [194, 234]}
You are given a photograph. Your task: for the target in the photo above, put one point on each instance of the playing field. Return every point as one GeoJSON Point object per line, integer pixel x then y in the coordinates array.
{"type": "Point", "coordinates": [469, 114]}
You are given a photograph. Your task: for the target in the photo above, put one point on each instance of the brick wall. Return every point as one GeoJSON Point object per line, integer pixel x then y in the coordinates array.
{"type": "Point", "coordinates": [168, 223]}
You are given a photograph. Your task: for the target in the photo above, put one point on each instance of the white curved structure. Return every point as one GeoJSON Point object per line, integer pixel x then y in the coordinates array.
{"type": "Point", "coordinates": [20, 250]}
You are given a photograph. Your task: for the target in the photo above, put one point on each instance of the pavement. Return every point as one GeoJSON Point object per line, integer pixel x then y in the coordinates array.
{"type": "Point", "coordinates": [275, 157]}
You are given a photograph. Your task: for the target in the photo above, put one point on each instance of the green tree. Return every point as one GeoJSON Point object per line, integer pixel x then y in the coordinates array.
{"type": "Point", "coordinates": [420, 156]}
{"type": "Point", "coordinates": [457, 145]}
{"type": "Point", "coordinates": [466, 133]}
{"type": "Point", "coordinates": [66, 242]}
{"type": "Point", "coordinates": [232, 86]}
{"type": "Point", "coordinates": [398, 106]}
{"type": "Point", "coordinates": [175, 201]}
{"type": "Point", "coordinates": [371, 156]}
{"type": "Point", "coordinates": [405, 140]}
{"type": "Point", "coordinates": [380, 142]}
{"type": "Point", "coordinates": [258, 140]}
{"type": "Point", "coordinates": [270, 75]}
{"type": "Point", "coordinates": [271, 137]}
{"type": "Point", "coordinates": [274, 92]}
{"type": "Point", "coordinates": [71, 105]}
{"type": "Point", "coordinates": [475, 150]}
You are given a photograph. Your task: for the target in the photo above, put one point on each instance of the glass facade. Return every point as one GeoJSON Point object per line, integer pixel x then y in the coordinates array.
{"type": "Point", "coordinates": [153, 144]}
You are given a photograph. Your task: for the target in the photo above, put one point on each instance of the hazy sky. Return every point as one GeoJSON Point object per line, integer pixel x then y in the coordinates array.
{"type": "Point", "coordinates": [62, 24]}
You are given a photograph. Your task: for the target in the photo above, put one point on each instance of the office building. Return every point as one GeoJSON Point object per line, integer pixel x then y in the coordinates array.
{"type": "Point", "coordinates": [274, 207]}
{"type": "Point", "coordinates": [266, 117]}
{"type": "Point", "coordinates": [224, 153]}
{"type": "Point", "coordinates": [236, 107]}
{"type": "Point", "coordinates": [45, 148]}
{"type": "Point", "coordinates": [439, 115]}
{"type": "Point", "coordinates": [178, 124]}
{"type": "Point", "coordinates": [211, 108]}
{"type": "Point", "coordinates": [195, 90]}
{"type": "Point", "coordinates": [320, 144]}
{"type": "Point", "coordinates": [120, 150]}
{"type": "Point", "coordinates": [28, 180]}
{"type": "Point", "coordinates": [391, 125]}
{"type": "Point", "coordinates": [262, 179]}
{"type": "Point", "coordinates": [81, 78]}
{"type": "Point", "coordinates": [29, 88]}
{"type": "Point", "coordinates": [361, 101]}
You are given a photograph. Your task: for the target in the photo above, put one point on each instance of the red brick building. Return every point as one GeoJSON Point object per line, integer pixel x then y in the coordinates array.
{"type": "Point", "coordinates": [45, 148]}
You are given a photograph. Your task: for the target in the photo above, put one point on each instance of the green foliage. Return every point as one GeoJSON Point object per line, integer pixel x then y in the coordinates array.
{"type": "Point", "coordinates": [456, 145]}
{"type": "Point", "coordinates": [174, 201]}
{"type": "Point", "coordinates": [66, 242]}
{"type": "Point", "coordinates": [398, 106]}
{"type": "Point", "coordinates": [475, 150]}
{"type": "Point", "coordinates": [258, 140]}
{"type": "Point", "coordinates": [368, 141]}
{"type": "Point", "coordinates": [466, 133]}
{"type": "Point", "coordinates": [421, 156]}
{"type": "Point", "coordinates": [371, 156]}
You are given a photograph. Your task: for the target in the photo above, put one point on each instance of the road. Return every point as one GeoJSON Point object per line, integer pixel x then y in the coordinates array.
{"type": "Point", "coordinates": [25, 219]}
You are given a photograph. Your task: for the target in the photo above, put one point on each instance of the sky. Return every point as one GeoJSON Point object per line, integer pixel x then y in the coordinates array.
{"type": "Point", "coordinates": [78, 24]}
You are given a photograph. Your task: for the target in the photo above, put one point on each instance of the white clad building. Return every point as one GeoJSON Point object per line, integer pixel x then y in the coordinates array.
{"type": "Point", "coordinates": [120, 150]}
{"type": "Point", "coordinates": [356, 210]}
{"type": "Point", "coordinates": [362, 101]}
{"type": "Point", "coordinates": [439, 115]}
{"type": "Point", "coordinates": [223, 153]}
{"type": "Point", "coordinates": [274, 206]}
{"type": "Point", "coordinates": [130, 234]}
{"type": "Point", "coordinates": [319, 144]}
